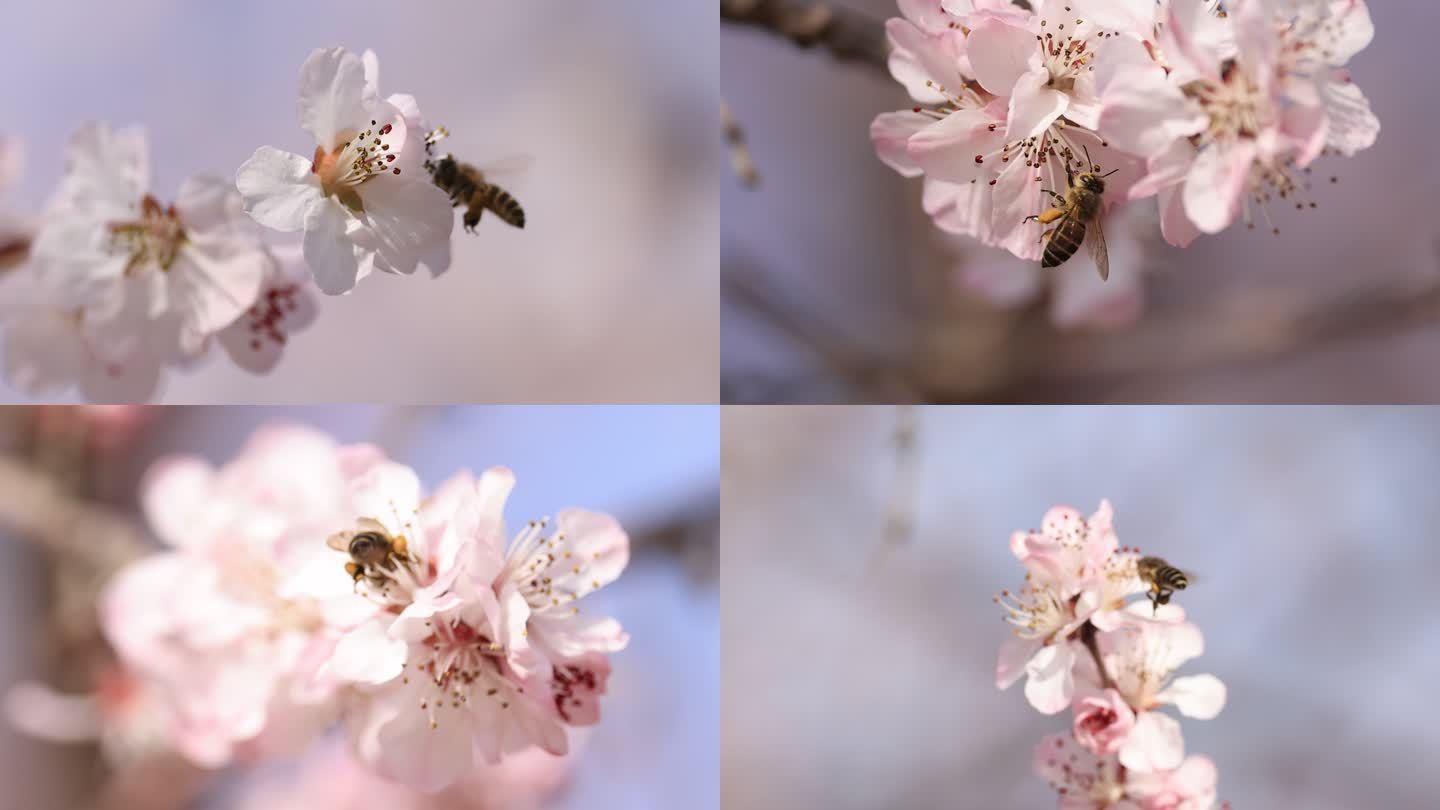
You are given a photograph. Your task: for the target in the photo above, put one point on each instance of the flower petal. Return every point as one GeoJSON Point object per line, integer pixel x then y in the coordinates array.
{"type": "Point", "coordinates": [1216, 185]}
{"type": "Point", "coordinates": [1015, 654]}
{"type": "Point", "coordinates": [278, 189]}
{"type": "Point", "coordinates": [1034, 106]}
{"type": "Point", "coordinates": [173, 493]}
{"type": "Point", "coordinates": [1198, 696]}
{"type": "Point", "coordinates": [1051, 683]}
{"type": "Point", "coordinates": [332, 95]}
{"type": "Point", "coordinates": [947, 150]}
{"type": "Point", "coordinates": [1154, 744]}
{"type": "Point", "coordinates": [367, 654]}
{"type": "Point", "coordinates": [404, 220]}
{"type": "Point", "coordinates": [329, 251]}
{"type": "Point", "coordinates": [600, 546]}
{"type": "Point", "coordinates": [890, 132]}
{"type": "Point", "coordinates": [1000, 54]}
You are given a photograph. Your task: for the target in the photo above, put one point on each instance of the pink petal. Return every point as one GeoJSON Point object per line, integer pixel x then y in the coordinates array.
{"type": "Point", "coordinates": [1015, 654]}
{"type": "Point", "coordinates": [174, 493]}
{"type": "Point", "coordinates": [277, 188]}
{"type": "Point", "coordinates": [1154, 744]}
{"type": "Point", "coordinates": [600, 546]}
{"type": "Point", "coordinates": [332, 89]}
{"type": "Point", "coordinates": [947, 150]}
{"type": "Point", "coordinates": [890, 133]}
{"type": "Point", "coordinates": [1034, 106]}
{"type": "Point", "coordinates": [1217, 183]}
{"type": "Point", "coordinates": [1000, 54]}
{"type": "Point", "coordinates": [368, 654]}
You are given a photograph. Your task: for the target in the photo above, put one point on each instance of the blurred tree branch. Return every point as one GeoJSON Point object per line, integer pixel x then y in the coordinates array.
{"type": "Point", "coordinates": [13, 253]}
{"type": "Point", "coordinates": [846, 35]}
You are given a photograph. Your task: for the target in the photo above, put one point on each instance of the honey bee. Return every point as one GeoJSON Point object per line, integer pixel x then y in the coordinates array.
{"type": "Point", "coordinates": [1078, 211]}
{"type": "Point", "coordinates": [1163, 578]}
{"type": "Point", "coordinates": [468, 186]}
{"type": "Point", "coordinates": [372, 550]}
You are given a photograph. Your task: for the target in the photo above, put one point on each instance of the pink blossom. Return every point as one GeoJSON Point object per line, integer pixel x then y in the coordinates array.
{"type": "Point", "coordinates": [477, 653]}
{"type": "Point", "coordinates": [221, 620]}
{"type": "Point", "coordinates": [1236, 104]}
{"type": "Point", "coordinates": [1073, 576]}
{"type": "Point", "coordinates": [1082, 779]}
{"type": "Point", "coordinates": [1188, 787]}
{"type": "Point", "coordinates": [286, 305]}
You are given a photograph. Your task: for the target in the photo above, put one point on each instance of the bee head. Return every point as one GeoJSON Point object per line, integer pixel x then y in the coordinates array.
{"type": "Point", "coordinates": [1092, 182]}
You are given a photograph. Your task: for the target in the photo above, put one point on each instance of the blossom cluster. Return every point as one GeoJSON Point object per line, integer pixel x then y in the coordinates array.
{"type": "Point", "coordinates": [1213, 108]}
{"type": "Point", "coordinates": [1082, 645]}
{"type": "Point", "coordinates": [116, 284]}
{"type": "Point", "coordinates": [309, 584]}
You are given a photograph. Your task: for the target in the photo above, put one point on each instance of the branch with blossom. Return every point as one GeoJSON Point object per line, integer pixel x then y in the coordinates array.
{"type": "Point", "coordinates": [1217, 110]}
{"type": "Point", "coordinates": [1081, 645]}
{"type": "Point", "coordinates": [111, 285]}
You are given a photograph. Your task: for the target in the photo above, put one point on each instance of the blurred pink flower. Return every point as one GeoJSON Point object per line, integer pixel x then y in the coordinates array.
{"type": "Point", "coordinates": [1082, 779]}
{"type": "Point", "coordinates": [364, 200]}
{"type": "Point", "coordinates": [1188, 787]}
{"type": "Point", "coordinates": [286, 305]}
{"type": "Point", "coordinates": [230, 622]}
{"type": "Point", "coordinates": [147, 279]}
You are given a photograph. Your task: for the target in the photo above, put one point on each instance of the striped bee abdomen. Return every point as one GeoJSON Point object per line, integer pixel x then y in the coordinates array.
{"type": "Point", "coordinates": [1172, 577]}
{"type": "Point", "coordinates": [1064, 241]}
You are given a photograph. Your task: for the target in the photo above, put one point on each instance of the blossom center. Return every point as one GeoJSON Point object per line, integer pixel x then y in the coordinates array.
{"type": "Point", "coordinates": [155, 237]}
{"type": "Point", "coordinates": [458, 663]}
{"type": "Point", "coordinates": [1064, 56]}
{"type": "Point", "coordinates": [354, 161]}
{"type": "Point", "coordinates": [1036, 613]}
{"type": "Point", "coordinates": [536, 561]}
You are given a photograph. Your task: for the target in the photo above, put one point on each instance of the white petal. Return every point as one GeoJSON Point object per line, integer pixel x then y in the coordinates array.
{"type": "Point", "coordinates": [215, 282]}
{"type": "Point", "coordinates": [424, 756]}
{"type": "Point", "coordinates": [947, 149]}
{"type": "Point", "coordinates": [1198, 696]}
{"type": "Point", "coordinates": [1154, 744]}
{"type": "Point", "coordinates": [107, 170]}
{"type": "Point", "coordinates": [44, 354]}
{"type": "Point", "coordinates": [368, 654]}
{"type": "Point", "coordinates": [575, 635]}
{"type": "Point", "coordinates": [332, 95]}
{"type": "Point", "coordinates": [329, 251]}
{"type": "Point", "coordinates": [600, 546]}
{"type": "Point", "coordinates": [1051, 684]}
{"type": "Point", "coordinates": [278, 189]}
{"type": "Point", "coordinates": [405, 220]}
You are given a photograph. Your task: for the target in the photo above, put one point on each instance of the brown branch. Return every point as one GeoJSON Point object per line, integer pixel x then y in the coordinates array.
{"type": "Point", "coordinates": [13, 253]}
{"type": "Point", "coordinates": [1088, 638]}
{"type": "Point", "coordinates": [844, 34]}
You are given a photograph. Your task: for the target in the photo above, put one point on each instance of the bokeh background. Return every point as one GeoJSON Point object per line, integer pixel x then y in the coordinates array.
{"type": "Point", "coordinates": [656, 468]}
{"type": "Point", "coordinates": [610, 292]}
{"type": "Point", "coordinates": [859, 673]}
{"type": "Point", "coordinates": [855, 290]}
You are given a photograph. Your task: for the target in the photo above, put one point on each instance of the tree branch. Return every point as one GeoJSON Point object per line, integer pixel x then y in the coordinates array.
{"type": "Point", "coordinates": [846, 35]}
{"type": "Point", "coordinates": [1088, 636]}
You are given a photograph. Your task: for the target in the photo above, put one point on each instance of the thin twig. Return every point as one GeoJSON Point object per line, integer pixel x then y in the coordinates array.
{"type": "Point", "coordinates": [844, 34]}
{"type": "Point", "coordinates": [740, 160]}
{"type": "Point", "coordinates": [1088, 636]}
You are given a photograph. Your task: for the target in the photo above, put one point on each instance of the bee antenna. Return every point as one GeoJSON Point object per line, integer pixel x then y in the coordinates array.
{"type": "Point", "coordinates": [1107, 174]}
{"type": "Point", "coordinates": [1089, 164]}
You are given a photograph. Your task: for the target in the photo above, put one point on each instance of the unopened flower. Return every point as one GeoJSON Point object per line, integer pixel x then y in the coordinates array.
{"type": "Point", "coordinates": [146, 277]}
{"type": "Point", "coordinates": [364, 199]}
{"type": "Point", "coordinates": [1103, 721]}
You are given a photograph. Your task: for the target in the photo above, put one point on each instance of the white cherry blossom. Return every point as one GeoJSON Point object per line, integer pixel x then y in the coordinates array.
{"type": "Point", "coordinates": [363, 198]}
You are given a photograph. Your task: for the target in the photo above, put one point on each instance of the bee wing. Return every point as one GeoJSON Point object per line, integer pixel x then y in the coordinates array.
{"type": "Point", "coordinates": [1098, 251]}
{"type": "Point", "coordinates": [340, 541]}
{"type": "Point", "coordinates": [506, 166]}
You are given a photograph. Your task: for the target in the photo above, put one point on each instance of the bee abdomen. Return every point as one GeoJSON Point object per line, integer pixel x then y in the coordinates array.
{"type": "Point", "coordinates": [1063, 243]}
{"type": "Point", "coordinates": [1172, 577]}
{"type": "Point", "coordinates": [505, 206]}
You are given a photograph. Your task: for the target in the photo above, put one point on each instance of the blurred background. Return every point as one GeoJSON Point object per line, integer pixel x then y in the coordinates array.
{"type": "Point", "coordinates": [835, 287]}
{"type": "Point", "coordinates": [859, 670]}
{"type": "Point", "coordinates": [609, 294]}
{"type": "Point", "coordinates": [68, 517]}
